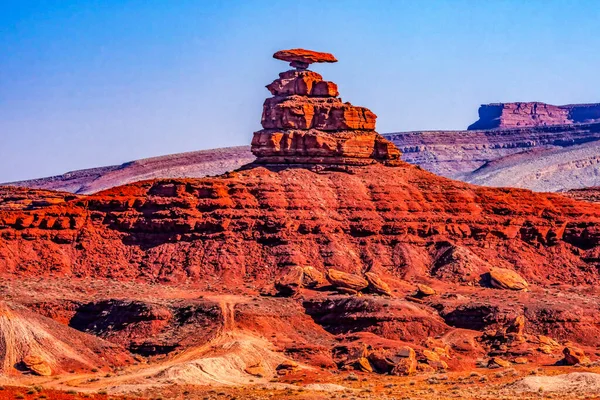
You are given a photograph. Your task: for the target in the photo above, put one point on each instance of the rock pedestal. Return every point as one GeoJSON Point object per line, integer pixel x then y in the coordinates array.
{"type": "Point", "coordinates": [305, 122]}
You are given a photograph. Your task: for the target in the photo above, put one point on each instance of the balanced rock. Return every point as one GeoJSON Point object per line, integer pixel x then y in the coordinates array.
{"type": "Point", "coordinates": [503, 278]}
{"type": "Point", "coordinates": [301, 58]}
{"type": "Point", "coordinates": [306, 123]}
{"type": "Point", "coordinates": [344, 280]}
{"type": "Point", "coordinates": [377, 285]}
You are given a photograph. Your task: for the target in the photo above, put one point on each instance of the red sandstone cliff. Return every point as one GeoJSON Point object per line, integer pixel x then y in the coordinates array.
{"type": "Point", "coordinates": [510, 115]}
{"type": "Point", "coordinates": [251, 224]}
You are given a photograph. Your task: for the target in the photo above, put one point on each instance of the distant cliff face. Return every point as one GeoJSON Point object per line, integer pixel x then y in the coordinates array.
{"type": "Point", "coordinates": [529, 152]}
{"type": "Point", "coordinates": [456, 154]}
{"type": "Point", "coordinates": [512, 115]}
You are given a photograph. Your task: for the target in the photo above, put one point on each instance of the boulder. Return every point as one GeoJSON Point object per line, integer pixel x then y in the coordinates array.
{"type": "Point", "coordinates": [37, 365]}
{"type": "Point", "coordinates": [497, 362]}
{"type": "Point", "coordinates": [503, 278]}
{"type": "Point", "coordinates": [431, 355]}
{"type": "Point", "coordinates": [377, 285]}
{"type": "Point", "coordinates": [438, 365]}
{"type": "Point", "coordinates": [547, 345]}
{"type": "Point", "coordinates": [291, 282]}
{"type": "Point", "coordinates": [287, 367]}
{"type": "Point", "coordinates": [380, 361]}
{"type": "Point", "coordinates": [302, 58]}
{"type": "Point", "coordinates": [344, 280]}
{"type": "Point", "coordinates": [517, 326]}
{"type": "Point", "coordinates": [344, 290]}
{"type": "Point", "coordinates": [362, 364]}
{"type": "Point", "coordinates": [406, 352]}
{"type": "Point", "coordinates": [575, 355]}
{"type": "Point", "coordinates": [425, 368]}
{"type": "Point", "coordinates": [424, 290]}
{"type": "Point", "coordinates": [548, 341]}
{"type": "Point", "coordinates": [312, 277]}
{"type": "Point", "coordinates": [257, 370]}
{"type": "Point", "coordinates": [405, 366]}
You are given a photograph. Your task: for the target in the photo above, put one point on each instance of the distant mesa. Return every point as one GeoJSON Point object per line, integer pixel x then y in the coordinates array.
{"type": "Point", "coordinates": [301, 58]}
{"type": "Point", "coordinates": [306, 123]}
{"type": "Point", "coordinates": [531, 114]}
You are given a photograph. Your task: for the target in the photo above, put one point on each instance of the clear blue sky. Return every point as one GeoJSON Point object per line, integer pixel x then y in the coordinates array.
{"type": "Point", "coordinates": [97, 82]}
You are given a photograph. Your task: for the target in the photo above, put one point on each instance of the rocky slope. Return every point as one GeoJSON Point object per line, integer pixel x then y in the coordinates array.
{"type": "Point", "coordinates": [194, 164]}
{"type": "Point", "coordinates": [543, 169]}
{"type": "Point", "coordinates": [511, 115]}
{"type": "Point", "coordinates": [456, 154]}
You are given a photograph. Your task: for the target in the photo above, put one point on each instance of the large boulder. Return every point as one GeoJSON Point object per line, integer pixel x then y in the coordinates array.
{"type": "Point", "coordinates": [37, 365]}
{"type": "Point", "coordinates": [312, 277]}
{"type": "Point", "coordinates": [574, 355]}
{"type": "Point", "coordinates": [302, 58]}
{"type": "Point", "coordinates": [291, 282]}
{"type": "Point", "coordinates": [503, 278]}
{"type": "Point", "coordinates": [345, 280]}
{"type": "Point", "coordinates": [377, 285]}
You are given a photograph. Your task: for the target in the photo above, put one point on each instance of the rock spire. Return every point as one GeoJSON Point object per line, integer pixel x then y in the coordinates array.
{"type": "Point", "coordinates": [305, 122]}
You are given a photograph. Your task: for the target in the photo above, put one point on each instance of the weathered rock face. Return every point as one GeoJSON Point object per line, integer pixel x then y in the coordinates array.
{"type": "Point", "coordinates": [306, 123]}
{"type": "Point", "coordinates": [511, 115]}
{"type": "Point", "coordinates": [255, 218]}
{"type": "Point", "coordinates": [458, 154]}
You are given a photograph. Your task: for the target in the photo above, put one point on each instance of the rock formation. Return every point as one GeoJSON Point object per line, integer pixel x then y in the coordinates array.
{"type": "Point", "coordinates": [511, 115]}
{"type": "Point", "coordinates": [182, 271]}
{"type": "Point", "coordinates": [301, 58]}
{"type": "Point", "coordinates": [305, 122]}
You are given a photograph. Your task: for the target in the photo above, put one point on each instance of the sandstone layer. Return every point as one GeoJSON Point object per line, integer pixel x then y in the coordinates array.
{"type": "Point", "coordinates": [510, 115]}
{"type": "Point", "coordinates": [253, 218]}
{"type": "Point", "coordinates": [305, 122]}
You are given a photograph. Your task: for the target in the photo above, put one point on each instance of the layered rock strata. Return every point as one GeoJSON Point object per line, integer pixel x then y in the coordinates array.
{"type": "Point", "coordinates": [305, 122]}
{"type": "Point", "coordinates": [512, 115]}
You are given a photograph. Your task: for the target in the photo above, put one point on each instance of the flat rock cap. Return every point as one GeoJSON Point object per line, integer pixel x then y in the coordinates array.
{"type": "Point", "coordinates": [304, 56]}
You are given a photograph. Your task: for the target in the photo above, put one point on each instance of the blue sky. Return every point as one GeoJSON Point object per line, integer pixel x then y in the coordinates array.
{"type": "Point", "coordinates": [92, 83]}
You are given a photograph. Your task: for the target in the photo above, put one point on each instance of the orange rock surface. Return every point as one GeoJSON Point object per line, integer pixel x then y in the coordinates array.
{"type": "Point", "coordinates": [304, 56]}
{"type": "Point", "coordinates": [306, 123]}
